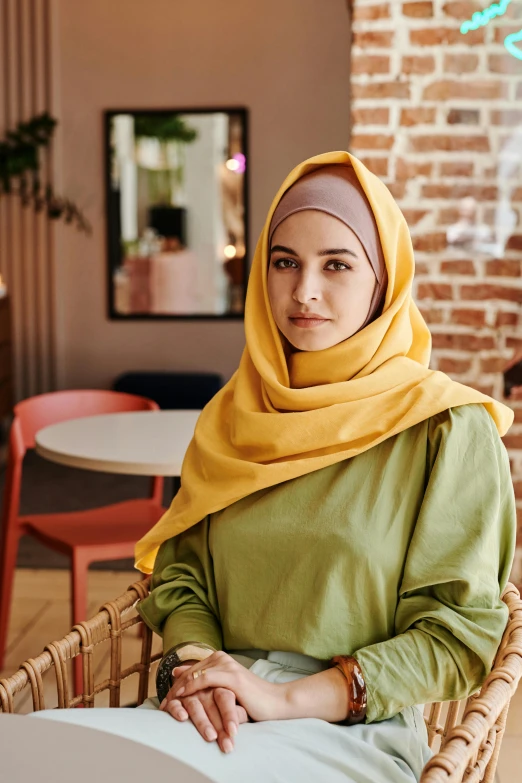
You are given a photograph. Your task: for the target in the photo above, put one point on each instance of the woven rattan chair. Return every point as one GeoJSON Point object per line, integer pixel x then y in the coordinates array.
{"type": "Point", "coordinates": [466, 742]}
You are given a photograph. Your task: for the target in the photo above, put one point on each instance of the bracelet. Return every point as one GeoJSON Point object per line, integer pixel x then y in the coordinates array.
{"type": "Point", "coordinates": [349, 667]}
{"type": "Point", "coordinates": [186, 651]}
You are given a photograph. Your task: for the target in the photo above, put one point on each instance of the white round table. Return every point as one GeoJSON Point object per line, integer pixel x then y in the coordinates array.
{"type": "Point", "coordinates": [41, 750]}
{"type": "Point", "coordinates": [143, 443]}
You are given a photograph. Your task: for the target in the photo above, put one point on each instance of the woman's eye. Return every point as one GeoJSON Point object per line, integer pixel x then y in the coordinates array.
{"type": "Point", "coordinates": [337, 266]}
{"type": "Point", "coordinates": [284, 263]}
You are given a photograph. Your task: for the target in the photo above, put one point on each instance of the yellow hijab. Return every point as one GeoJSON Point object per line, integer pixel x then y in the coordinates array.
{"type": "Point", "coordinates": [279, 418]}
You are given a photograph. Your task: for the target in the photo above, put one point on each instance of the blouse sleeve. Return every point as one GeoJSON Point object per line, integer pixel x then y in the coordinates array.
{"type": "Point", "coordinates": [182, 605]}
{"type": "Point", "coordinates": [450, 617]}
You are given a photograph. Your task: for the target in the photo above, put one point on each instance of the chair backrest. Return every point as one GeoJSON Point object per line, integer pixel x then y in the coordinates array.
{"type": "Point", "coordinates": [471, 730]}
{"type": "Point", "coordinates": [35, 413]}
{"type": "Point", "coordinates": [172, 390]}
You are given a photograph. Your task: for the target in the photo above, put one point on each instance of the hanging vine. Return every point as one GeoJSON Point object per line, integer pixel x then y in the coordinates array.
{"type": "Point", "coordinates": [20, 165]}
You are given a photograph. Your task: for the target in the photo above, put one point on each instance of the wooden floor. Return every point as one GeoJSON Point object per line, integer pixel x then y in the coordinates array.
{"type": "Point", "coordinates": [41, 614]}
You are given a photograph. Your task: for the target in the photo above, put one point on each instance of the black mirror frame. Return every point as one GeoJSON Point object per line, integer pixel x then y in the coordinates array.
{"type": "Point", "coordinates": [112, 313]}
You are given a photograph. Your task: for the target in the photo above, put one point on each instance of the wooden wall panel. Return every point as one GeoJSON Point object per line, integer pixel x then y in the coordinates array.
{"type": "Point", "coordinates": [26, 237]}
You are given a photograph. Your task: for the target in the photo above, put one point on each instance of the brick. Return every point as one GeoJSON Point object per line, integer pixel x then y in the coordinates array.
{"type": "Point", "coordinates": [503, 63]}
{"type": "Point", "coordinates": [517, 410]}
{"type": "Point", "coordinates": [457, 169]}
{"type": "Point", "coordinates": [504, 268]}
{"type": "Point", "coordinates": [454, 366]}
{"type": "Point", "coordinates": [517, 486]}
{"type": "Point", "coordinates": [374, 39]}
{"type": "Point", "coordinates": [463, 342]}
{"type": "Point", "coordinates": [448, 216]}
{"type": "Point", "coordinates": [378, 166]}
{"type": "Point", "coordinates": [370, 63]}
{"type": "Point", "coordinates": [463, 117]}
{"type": "Point", "coordinates": [519, 90]}
{"type": "Point", "coordinates": [439, 36]}
{"type": "Point", "coordinates": [514, 342]}
{"type": "Point", "coordinates": [430, 243]}
{"type": "Point", "coordinates": [371, 141]}
{"type": "Point", "coordinates": [449, 143]}
{"type": "Point", "coordinates": [456, 191]}
{"type": "Point", "coordinates": [513, 442]}
{"type": "Point", "coordinates": [370, 116]}
{"type": "Point", "coordinates": [418, 10]}
{"type": "Point", "coordinates": [492, 364]}
{"type": "Point", "coordinates": [381, 90]}
{"type": "Point", "coordinates": [457, 267]}
{"type": "Point", "coordinates": [464, 317]}
{"type": "Point", "coordinates": [397, 189]}
{"type": "Point", "coordinates": [483, 388]}
{"type": "Point", "coordinates": [418, 116]}
{"type": "Point", "coordinates": [413, 216]}
{"type": "Point", "coordinates": [514, 242]}
{"type": "Point", "coordinates": [370, 13]}
{"type": "Point", "coordinates": [418, 64]}
{"type": "Point", "coordinates": [461, 9]}
{"type": "Point", "coordinates": [502, 32]}
{"type": "Point", "coordinates": [431, 315]}
{"type": "Point", "coordinates": [517, 194]}
{"type": "Point", "coordinates": [422, 268]}
{"type": "Point", "coordinates": [508, 117]}
{"type": "Point", "coordinates": [434, 291]}
{"type": "Point", "coordinates": [460, 63]}
{"type": "Point", "coordinates": [486, 291]}
{"type": "Point", "coordinates": [506, 319]}
{"type": "Point", "coordinates": [489, 215]}
{"type": "Point", "coordinates": [446, 89]}
{"type": "Point", "coordinates": [407, 169]}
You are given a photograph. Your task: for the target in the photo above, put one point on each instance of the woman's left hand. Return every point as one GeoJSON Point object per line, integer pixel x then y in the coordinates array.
{"type": "Point", "coordinates": [261, 699]}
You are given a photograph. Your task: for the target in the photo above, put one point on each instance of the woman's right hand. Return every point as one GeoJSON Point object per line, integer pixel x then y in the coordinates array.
{"type": "Point", "coordinates": [213, 711]}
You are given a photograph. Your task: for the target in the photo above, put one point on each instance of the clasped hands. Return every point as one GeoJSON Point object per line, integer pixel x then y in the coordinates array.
{"type": "Point", "coordinates": [222, 696]}
{"type": "Point", "coordinates": [226, 694]}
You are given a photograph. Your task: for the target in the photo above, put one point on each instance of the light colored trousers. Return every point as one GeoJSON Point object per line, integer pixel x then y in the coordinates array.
{"type": "Point", "coordinates": [305, 750]}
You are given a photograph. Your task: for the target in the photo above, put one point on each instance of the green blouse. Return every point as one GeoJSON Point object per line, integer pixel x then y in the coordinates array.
{"type": "Point", "coordinates": [397, 556]}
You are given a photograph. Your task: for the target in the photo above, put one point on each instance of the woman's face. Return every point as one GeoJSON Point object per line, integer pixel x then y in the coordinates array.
{"type": "Point", "coordinates": [320, 281]}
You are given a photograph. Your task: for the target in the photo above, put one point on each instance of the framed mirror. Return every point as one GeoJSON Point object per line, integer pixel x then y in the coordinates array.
{"type": "Point", "coordinates": [177, 213]}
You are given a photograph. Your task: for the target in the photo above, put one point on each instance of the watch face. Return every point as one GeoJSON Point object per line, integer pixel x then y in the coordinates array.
{"type": "Point", "coordinates": [164, 674]}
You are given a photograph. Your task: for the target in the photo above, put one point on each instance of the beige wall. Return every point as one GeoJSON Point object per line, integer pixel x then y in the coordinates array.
{"type": "Point", "coordinates": [286, 60]}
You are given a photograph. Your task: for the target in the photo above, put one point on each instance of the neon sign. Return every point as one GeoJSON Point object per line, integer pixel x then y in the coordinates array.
{"type": "Point", "coordinates": [510, 42]}
{"type": "Point", "coordinates": [482, 18]}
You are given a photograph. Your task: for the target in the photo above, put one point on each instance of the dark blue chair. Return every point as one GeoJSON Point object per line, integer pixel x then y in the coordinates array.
{"type": "Point", "coordinates": [171, 390]}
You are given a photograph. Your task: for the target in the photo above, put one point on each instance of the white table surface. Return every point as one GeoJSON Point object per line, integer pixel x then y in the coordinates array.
{"type": "Point", "coordinates": [40, 750]}
{"type": "Point", "coordinates": [145, 443]}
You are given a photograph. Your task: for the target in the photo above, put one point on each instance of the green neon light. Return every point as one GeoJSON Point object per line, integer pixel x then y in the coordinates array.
{"type": "Point", "coordinates": [510, 42]}
{"type": "Point", "coordinates": [481, 18]}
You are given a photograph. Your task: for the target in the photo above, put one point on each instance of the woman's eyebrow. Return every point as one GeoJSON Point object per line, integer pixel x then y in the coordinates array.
{"type": "Point", "coordinates": [283, 249]}
{"type": "Point", "coordinates": [335, 251]}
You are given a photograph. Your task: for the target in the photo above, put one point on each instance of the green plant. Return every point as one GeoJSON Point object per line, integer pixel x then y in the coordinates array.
{"type": "Point", "coordinates": [168, 129]}
{"type": "Point", "coordinates": [20, 165]}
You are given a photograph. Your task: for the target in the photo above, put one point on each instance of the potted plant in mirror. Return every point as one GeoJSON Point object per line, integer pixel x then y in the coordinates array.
{"type": "Point", "coordinates": [166, 169]}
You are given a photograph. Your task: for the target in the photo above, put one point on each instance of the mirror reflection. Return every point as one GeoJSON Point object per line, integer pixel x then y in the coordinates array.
{"type": "Point", "coordinates": [177, 213]}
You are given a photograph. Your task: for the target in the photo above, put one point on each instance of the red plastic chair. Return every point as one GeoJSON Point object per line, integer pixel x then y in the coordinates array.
{"type": "Point", "coordinates": [106, 533]}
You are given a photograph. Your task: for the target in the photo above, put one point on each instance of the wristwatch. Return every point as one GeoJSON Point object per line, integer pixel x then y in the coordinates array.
{"type": "Point", "coordinates": [177, 656]}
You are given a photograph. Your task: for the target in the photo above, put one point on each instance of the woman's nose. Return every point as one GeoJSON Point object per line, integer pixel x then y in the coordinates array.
{"type": "Point", "coordinates": [307, 289]}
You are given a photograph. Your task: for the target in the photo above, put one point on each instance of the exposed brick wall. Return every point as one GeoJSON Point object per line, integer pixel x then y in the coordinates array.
{"type": "Point", "coordinates": [431, 110]}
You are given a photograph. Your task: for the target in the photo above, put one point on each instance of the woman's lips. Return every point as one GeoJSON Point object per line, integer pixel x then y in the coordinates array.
{"type": "Point", "coordinates": [308, 321]}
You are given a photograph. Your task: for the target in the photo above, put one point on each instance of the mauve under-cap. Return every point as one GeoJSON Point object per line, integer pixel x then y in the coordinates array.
{"type": "Point", "coordinates": [335, 189]}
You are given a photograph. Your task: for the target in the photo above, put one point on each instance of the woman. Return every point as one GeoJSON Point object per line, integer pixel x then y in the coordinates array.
{"type": "Point", "coordinates": [346, 521]}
